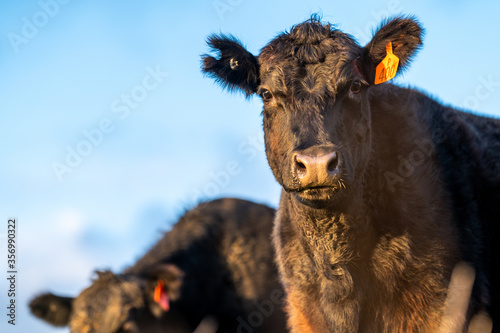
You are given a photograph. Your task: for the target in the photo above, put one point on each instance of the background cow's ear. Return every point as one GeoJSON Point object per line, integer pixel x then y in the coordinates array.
{"type": "Point", "coordinates": [51, 308]}
{"type": "Point", "coordinates": [405, 34]}
{"type": "Point", "coordinates": [235, 68]}
{"type": "Point", "coordinates": [164, 282]}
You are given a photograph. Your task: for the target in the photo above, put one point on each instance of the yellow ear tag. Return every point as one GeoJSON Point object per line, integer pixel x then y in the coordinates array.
{"type": "Point", "coordinates": [388, 67]}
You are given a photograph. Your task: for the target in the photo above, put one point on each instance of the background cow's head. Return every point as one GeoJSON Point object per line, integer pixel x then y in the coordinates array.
{"type": "Point", "coordinates": [314, 83]}
{"type": "Point", "coordinates": [119, 303]}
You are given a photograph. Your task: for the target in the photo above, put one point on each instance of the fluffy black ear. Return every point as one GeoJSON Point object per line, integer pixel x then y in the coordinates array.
{"type": "Point", "coordinates": [51, 308]}
{"type": "Point", "coordinates": [406, 35]}
{"type": "Point", "coordinates": [164, 282]}
{"type": "Point", "coordinates": [236, 68]}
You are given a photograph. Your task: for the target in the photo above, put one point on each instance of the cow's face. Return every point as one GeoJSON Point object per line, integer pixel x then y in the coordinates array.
{"type": "Point", "coordinates": [316, 113]}
{"type": "Point", "coordinates": [118, 304]}
{"type": "Point", "coordinates": [314, 85]}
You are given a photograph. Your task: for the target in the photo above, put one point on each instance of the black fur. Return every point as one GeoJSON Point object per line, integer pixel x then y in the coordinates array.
{"type": "Point", "coordinates": [238, 67]}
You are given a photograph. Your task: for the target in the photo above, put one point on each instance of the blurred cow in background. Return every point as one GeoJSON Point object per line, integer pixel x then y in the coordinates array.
{"type": "Point", "coordinates": [213, 272]}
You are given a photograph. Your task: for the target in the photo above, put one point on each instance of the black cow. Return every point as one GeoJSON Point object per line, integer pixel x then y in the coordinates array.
{"type": "Point", "coordinates": [384, 189]}
{"type": "Point", "coordinates": [214, 270]}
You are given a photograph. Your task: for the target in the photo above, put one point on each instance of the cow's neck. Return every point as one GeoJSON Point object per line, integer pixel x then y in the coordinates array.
{"type": "Point", "coordinates": [334, 237]}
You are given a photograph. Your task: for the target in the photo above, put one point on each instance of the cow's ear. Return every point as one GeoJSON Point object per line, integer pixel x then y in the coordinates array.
{"type": "Point", "coordinates": [164, 282]}
{"type": "Point", "coordinates": [51, 308]}
{"type": "Point", "coordinates": [234, 68]}
{"type": "Point", "coordinates": [405, 35]}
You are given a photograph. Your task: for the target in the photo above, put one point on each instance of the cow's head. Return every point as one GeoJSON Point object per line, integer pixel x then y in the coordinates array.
{"type": "Point", "coordinates": [119, 303]}
{"type": "Point", "coordinates": [314, 83]}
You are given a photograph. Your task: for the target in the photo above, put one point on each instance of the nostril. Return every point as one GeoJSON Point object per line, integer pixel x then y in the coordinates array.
{"type": "Point", "coordinates": [332, 164]}
{"type": "Point", "coordinates": [300, 166]}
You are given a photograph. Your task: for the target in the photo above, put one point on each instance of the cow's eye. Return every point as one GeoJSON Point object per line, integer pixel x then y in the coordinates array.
{"type": "Point", "coordinates": [356, 87]}
{"type": "Point", "coordinates": [266, 95]}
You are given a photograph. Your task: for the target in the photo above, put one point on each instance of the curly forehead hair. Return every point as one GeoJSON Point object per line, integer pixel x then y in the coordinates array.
{"type": "Point", "coordinates": [307, 43]}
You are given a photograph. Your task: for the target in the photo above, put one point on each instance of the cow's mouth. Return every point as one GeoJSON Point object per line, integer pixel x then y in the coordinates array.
{"type": "Point", "coordinates": [319, 195]}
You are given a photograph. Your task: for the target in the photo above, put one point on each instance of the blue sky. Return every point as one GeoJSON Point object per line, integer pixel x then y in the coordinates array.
{"type": "Point", "coordinates": [120, 82]}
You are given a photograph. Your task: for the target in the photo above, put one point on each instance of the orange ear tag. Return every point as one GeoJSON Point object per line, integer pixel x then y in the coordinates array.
{"type": "Point", "coordinates": [161, 297]}
{"type": "Point", "coordinates": [388, 67]}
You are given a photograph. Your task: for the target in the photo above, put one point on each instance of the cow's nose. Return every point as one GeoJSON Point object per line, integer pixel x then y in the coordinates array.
{"type": "Point", "coordinates": [314, 169]}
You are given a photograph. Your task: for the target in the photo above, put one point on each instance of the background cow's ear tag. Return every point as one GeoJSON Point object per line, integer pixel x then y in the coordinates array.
{"type": "Point", "coordinates": [388, 67]}
{"type": "Point", "coordinates": [161, 297]}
